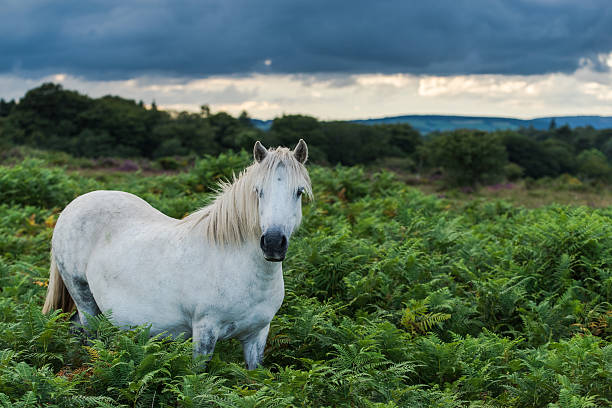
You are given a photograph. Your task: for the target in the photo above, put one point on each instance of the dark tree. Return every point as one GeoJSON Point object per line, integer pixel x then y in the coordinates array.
{"type": "Point", "coordinates": [6, 107]}
{"type": "Point", "coordinates": [468, 157]}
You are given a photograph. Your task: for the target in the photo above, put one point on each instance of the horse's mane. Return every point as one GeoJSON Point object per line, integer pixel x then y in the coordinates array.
{"type": "Point", "coordinates": [233, 216]}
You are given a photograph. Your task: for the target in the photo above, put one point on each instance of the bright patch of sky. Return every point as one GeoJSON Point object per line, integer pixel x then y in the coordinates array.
{"type": "Point", "coordinates": [586, 91]}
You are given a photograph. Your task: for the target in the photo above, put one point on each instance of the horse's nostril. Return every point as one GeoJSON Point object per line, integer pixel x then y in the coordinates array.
{"type": "Point", "coordinates": [274, 242]}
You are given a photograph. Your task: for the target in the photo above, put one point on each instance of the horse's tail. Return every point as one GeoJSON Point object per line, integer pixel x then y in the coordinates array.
{"type": "Point", "coordinates": [57, 293]}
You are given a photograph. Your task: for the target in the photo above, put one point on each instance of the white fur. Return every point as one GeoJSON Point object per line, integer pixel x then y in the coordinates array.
{"type": "Point", "coordinates": [204, 275]}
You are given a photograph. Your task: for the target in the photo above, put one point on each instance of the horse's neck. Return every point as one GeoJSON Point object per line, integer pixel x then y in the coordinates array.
{"type": "Point", "coordinates": [255, 267]}
{"type": "Point", "coordinates": [264, 271]}
{"type": "Point", "coordinates": [245, 256]}
{"type": "Point", "coordinates": [232, 219]}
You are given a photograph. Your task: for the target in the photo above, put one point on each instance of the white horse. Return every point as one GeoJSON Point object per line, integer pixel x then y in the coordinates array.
{"type": "Point", "coordinates": [203, 275]}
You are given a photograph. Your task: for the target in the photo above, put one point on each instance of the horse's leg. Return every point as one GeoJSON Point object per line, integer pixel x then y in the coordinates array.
{"type": "Point", "coordinates": [253, 347]}
{"type": "Point", "coordinates": [83, 298]}
{"type": "Point", "coordinates": [79, 290]}
{"type": "Point", "coordinates": [86, 304]}
{"type": "Point", "coordinates": [204, 339]}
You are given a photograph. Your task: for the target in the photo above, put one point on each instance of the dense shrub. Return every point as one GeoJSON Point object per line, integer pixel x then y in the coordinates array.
{"type": "Point", "coordinates": [208, 172]}
{"type": "Point", "coordinates": [467, 157]}
{"type": "Point", "coordinates": [30, 183]}
{"type": "Point", "coordinates": [592, 164]}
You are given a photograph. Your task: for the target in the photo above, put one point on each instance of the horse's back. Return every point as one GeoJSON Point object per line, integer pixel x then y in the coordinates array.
{"type": "Point", "coordinates": [109, 205]}
{"type": "Point", "coordinates": [95, 216]}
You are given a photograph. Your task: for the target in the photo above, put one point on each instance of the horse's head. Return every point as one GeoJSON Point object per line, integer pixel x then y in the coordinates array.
{"type": "Point", "coordinates": [280, 196]}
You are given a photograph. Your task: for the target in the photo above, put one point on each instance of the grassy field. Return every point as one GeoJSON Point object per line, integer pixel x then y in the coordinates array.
{"type": "Point", "coordinates": [529, 195]}
{"type": "Point", "coordinates": [394, 298]}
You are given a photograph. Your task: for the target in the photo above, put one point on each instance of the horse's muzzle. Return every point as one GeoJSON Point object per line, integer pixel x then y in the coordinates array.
{"type": "Point", "coordinates": [274, 245]}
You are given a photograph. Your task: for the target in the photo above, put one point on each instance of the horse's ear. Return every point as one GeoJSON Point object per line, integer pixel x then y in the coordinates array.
{"type": "Point", "coordinates": [301, 151]}
{"type": "Point", "coordinates": [259, 152]}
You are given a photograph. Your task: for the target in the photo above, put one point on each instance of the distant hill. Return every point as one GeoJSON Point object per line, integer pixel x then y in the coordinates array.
{"type": "Point", "coordinates": [262, 124]}
{"type": "Point", "coordinates": [430, 123]}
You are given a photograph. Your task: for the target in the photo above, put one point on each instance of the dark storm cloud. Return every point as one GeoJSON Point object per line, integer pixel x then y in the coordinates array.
{"type": "Point", "coordinates": [121, 39]}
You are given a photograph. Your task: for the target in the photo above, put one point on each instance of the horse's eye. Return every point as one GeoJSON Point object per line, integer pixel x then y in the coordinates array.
{"type": "Point", "coordinates": [259, 192]}
{"type": "Point", "coordinates": [300, 191]}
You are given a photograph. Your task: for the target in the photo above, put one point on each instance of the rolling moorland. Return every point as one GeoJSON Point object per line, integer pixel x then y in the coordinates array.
{"type": "Point", "coordinates": [477, 273]}
{"type": "Point", "coordinates": [436, 123]}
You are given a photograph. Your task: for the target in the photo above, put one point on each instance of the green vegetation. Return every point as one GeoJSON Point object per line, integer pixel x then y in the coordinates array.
{"type": "Point", "coordinates": [394, 298]}
{"type": "Point", "coordinates": [468, 157]}
{"type": "Point", "coordinates": [49, 117]}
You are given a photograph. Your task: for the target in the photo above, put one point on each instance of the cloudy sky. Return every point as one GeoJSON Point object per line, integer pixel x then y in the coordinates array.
{"type": "Point", "coordinates": [332, 59]}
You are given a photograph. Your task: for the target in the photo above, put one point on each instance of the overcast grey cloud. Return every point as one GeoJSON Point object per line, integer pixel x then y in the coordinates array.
{"type": "Point", "coordinates": [124, 39]}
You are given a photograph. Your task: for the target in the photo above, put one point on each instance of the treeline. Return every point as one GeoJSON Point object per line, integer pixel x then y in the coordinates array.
{"type": "Point", "coordinates": [469, 157]}
{"type": "Point", "coordinates": [50, 117]}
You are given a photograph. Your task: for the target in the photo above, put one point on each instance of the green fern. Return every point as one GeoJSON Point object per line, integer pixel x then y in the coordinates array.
{"type": "Point", "coordinates": [417, 319]}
